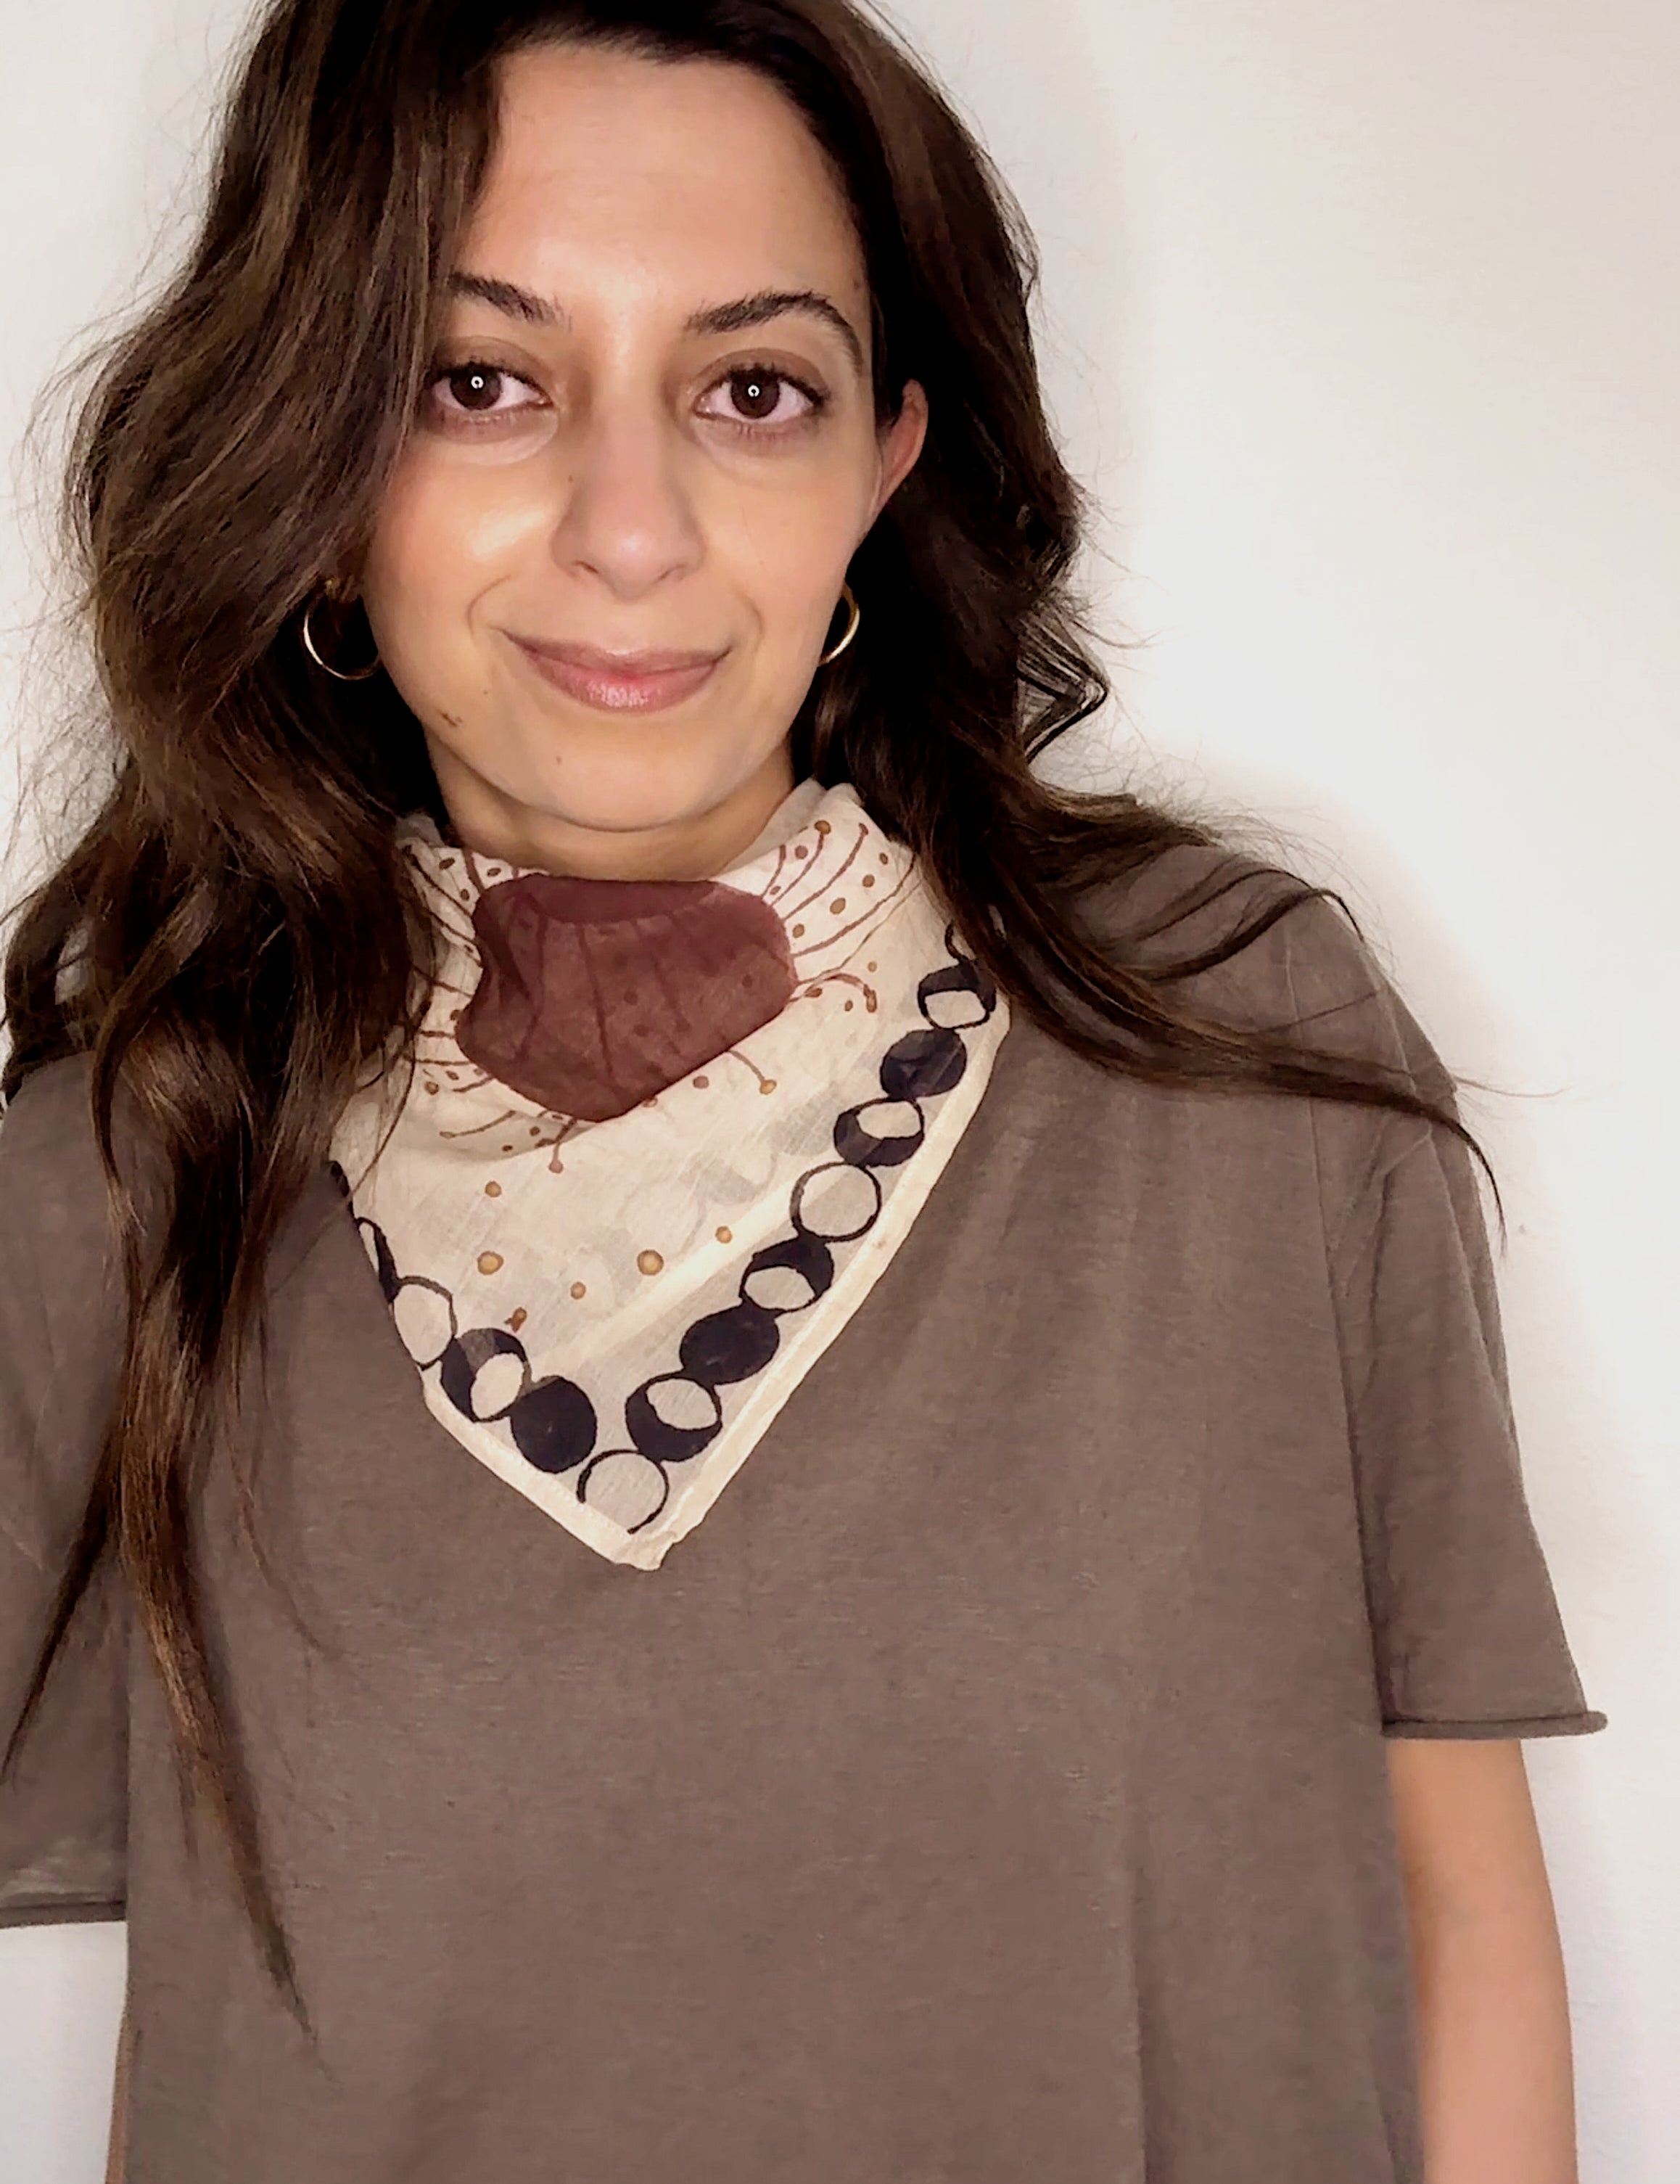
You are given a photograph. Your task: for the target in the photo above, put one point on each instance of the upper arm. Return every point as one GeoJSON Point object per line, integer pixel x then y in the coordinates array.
{"type": "Point", "coordinates": [116, 2156]}
{"type": "Point", "coordinates": [1469, 1843]}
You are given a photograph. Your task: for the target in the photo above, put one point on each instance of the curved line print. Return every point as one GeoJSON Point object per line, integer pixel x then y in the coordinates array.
{"type": "Point", "coordinates": [552, 1422]}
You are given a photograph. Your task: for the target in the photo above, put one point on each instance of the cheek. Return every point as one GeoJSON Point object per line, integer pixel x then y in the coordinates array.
{"type": "Point", "coordinates": [784, 554]}
{"type": "Point", "coordinates": [445, 536]}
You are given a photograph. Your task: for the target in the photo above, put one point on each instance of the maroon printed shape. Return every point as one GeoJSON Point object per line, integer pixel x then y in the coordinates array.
{"type": "Point", "coordinates": [598, 993]}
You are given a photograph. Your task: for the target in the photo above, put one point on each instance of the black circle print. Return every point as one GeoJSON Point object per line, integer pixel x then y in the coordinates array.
{"type": "Point", "coordinates": [553, 1424]}
{"type": "Point", "coordinates": [553, 1421]}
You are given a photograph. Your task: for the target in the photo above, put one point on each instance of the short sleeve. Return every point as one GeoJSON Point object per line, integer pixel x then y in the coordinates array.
{"type": "Point", "coordinates": [1467, 1637]}
{"type": "Point", "coordinates": [63, 1801]}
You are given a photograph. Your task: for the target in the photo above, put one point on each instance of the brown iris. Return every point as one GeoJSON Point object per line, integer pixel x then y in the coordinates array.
{"type": "Point", "coordinates": [755, 393]}
{"type": "Point", "coordinates": [475, 386]}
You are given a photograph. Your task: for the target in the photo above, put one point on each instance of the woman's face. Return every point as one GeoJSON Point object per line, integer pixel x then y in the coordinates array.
{"type": "Point", "coordinates": [614, 547]}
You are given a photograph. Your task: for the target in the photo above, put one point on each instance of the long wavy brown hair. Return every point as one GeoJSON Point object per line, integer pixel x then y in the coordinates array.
{"type": "Point", "coordinates": [233, 941]}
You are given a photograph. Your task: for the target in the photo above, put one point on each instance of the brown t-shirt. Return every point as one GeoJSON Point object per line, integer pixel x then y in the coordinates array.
{"type": "Point", "coordinates": [993, 1786]}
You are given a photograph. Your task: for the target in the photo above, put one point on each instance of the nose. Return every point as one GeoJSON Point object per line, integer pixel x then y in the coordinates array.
{"type": "Point", "coordinates": [627, 518]}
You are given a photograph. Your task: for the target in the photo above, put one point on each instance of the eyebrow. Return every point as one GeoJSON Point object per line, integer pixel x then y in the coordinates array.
{"type": "Point", "coordinates": [502, 296]}
{"type": "Point", "coordinates": [774, 303]}
{"type": "Point", "coordinates": [736, 317]}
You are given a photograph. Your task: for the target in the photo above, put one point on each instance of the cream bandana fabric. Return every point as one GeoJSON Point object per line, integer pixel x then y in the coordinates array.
{"type": "Point", "coordinates": [608, 1312]}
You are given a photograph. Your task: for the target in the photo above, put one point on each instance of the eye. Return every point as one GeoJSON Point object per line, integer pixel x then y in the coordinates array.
{"type": "Point", "coordinates": [477, 390]}
{"type": "Point", "coordinates": [760, 398]}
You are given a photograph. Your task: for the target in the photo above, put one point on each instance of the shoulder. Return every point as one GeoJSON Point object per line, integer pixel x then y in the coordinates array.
{"type": "Point", "coordinates": [1253, 946]}
{"type": "Point", "coordinates": [47, 1123]}
{"type": "Point", "coordinates": [52, 1196]}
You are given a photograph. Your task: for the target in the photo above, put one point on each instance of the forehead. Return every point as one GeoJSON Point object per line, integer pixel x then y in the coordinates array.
{"type": "Point", "coordinates": [687, 181]}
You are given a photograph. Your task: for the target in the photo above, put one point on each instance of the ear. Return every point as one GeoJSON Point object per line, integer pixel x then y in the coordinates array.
{"type": "Point", "coordinates": [900, 443]}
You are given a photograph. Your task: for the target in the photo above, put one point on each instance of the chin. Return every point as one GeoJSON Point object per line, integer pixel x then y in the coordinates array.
{"type": "Point", "coordinates": [635, 792]}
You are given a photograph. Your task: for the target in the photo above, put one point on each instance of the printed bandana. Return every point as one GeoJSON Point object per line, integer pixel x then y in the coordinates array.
{"type": "Point", "coordinates": [660, 1140]}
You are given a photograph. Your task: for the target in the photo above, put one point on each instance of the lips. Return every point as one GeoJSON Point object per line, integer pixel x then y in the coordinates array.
{"type": "Point", "coordinates": [619, 682]}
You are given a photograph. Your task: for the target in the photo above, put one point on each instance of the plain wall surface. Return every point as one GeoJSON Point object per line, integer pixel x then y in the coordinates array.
{"type": "Point", "coordinates": [1362, 322]}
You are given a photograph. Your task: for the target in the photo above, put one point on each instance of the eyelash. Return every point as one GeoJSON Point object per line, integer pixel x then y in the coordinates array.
{"type": "Point", "coordinates": [818, 400]}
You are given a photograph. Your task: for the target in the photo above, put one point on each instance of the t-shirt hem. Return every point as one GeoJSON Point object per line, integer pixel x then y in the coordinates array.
{"type": "Point", "coordinates": [1539, 1724]}
{"type": "Point", "coordinates": [62, 1910]}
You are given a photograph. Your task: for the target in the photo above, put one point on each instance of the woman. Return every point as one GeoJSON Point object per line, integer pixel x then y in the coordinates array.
{"type": "Point", "coordinates": [1009, 1651]}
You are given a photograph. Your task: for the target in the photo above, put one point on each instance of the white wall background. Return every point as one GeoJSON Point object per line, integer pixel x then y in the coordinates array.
{"type": "Point", "coordinates": [1364, 323]}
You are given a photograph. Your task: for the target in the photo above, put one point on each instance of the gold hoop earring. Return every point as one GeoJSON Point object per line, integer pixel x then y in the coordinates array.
{"type": "Point", "coordinates": [338, 674]}
{"type": "Point", "coordinates": [857, 615]}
